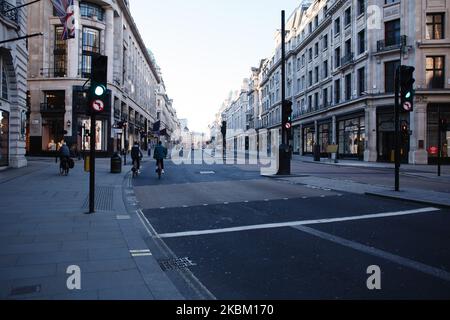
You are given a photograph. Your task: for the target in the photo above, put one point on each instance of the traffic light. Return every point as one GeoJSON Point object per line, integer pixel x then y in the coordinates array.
{"type": "Point", "coordinates": [443, 125]}
{"type": "Point", "coordinates": [405, 129]}
{"type": "Point", "coordinates": [407, 88]}
{"type": "Point", "coordinates": [287, 114]}
{"type": "Point", "coordinates": [98, 89]}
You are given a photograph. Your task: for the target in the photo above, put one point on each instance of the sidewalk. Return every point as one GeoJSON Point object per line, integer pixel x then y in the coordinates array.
{"type": "Point", "coordinates": [44, 230]}
{"type": "Point", "coordinates": [426, 171]}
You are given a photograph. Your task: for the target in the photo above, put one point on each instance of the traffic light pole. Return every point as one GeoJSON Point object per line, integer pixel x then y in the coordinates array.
{"type": "Point", "coordinates": [397, 128]}
{"type": "Point", "coordinates": [284, 139]}
{"type": "Point", "coordinates": [284, 157]}
{"type": "Point", "coordinates": [439, 142]}
{"type": "Point", "coordinates": [92, 165]}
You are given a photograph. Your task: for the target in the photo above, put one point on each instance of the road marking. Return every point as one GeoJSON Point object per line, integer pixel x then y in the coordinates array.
{"type": "Point", "coordinates": [123, 217]}
{"type": "Point", "coordinates": [296, 223]}
{"type": "Point", "coordinates": [405, 262]}
{"type": "Point", "coordinates": [207, 172]}
{"type": "Point", "coordinates": [140, 253]}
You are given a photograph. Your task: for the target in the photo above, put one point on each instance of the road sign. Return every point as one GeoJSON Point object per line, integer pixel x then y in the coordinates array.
{"type": "Point", "coordinates": [407, 106]}
{"type": "Point", "coordinates": [98, 105]}
{"type": "Point", "coordinates": [288, 126]}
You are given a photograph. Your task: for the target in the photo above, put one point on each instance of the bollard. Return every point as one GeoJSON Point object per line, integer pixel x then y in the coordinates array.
{"type": "Point", "coordinates": [116, 163]}
{"type": "Point", "coordinates": [87, 164]}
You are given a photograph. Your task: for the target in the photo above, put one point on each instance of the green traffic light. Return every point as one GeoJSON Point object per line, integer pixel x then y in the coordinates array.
{"type": "Point", "coordinates": [408, 95]}
{"type": "Point", "coordinates": [99, 90]}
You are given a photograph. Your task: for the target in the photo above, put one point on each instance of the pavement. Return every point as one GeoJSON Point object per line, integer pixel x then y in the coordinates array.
{"type": "Point", "coordinates": [44, 230]}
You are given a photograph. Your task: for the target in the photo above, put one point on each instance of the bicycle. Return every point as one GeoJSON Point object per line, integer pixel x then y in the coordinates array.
{"type": "Point", "coordinates": [159, 170]}
{"type": "Point", "coordinates": [64, 167]}
{"type": "Point", "coordinates": [135, 169]}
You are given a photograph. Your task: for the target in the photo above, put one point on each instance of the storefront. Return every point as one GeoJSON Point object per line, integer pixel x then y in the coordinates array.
{"type": "Point", "coordinates": [52, 111]}
{"type": "Point", "coordinates": [297, 139]}
{"type": "Point", "coordinates": [434, 112]}
{"type": "Point", "coordinates": [352, 137]}
{"type": "Point", "coordinates": [309, 139]}
{"type": "Point", "coordinates": [325, 137]}
{"type": "Point", "coordinates": [386, 135]}
{"type": "Point", "coordinates": [4, 138]}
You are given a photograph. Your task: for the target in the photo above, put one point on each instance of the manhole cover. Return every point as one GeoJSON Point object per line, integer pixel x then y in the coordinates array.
{"type": "Point", "coordinates": [103, 199]}
{"type": "Point", "coordinates": [20, 291]}
{"type": "Point", "coordinates": [176, 264]}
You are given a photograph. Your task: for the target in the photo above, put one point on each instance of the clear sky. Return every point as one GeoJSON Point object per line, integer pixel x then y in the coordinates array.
{"type": "Point", "coordinates": [206, 47]}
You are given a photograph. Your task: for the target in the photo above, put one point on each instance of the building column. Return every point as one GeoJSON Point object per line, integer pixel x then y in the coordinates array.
{"type": "Point", "coordinates": [300, 141]}
{"type": "Point", "coordinates": [370, 152]}
{"type": "Point", "coordinates": [418, 145]}
{"type": "Point", "coordinates": [334, 131]}
{"type": "Point", "coordinates": [109, 42]}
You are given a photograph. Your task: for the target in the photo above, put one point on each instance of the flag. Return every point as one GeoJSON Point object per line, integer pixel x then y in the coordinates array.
{"type": "Point", "coordinates": [65, 11]}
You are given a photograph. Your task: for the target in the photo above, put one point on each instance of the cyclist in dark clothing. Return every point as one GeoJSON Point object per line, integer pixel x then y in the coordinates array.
{"type": "Point", "coordinates": [159, 154]}
{"type": "Point", "coordinates": [136, 155]}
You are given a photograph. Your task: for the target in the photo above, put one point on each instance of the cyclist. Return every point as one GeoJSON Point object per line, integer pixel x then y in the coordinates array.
{"type": "Point", "coordinates": [136, 155]}
{"type": "Point", "coordinates": [64, 156]}
{"type": "Point", "coordinates": [159, 154]}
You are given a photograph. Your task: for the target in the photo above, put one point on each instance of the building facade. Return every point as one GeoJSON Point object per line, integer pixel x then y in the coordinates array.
{"type": "Point", "coordinates": [13, 89]}
{"type": "Point", "coordinates": [341, 62]}
{"type": "Point", "coordinates": [59, 69]}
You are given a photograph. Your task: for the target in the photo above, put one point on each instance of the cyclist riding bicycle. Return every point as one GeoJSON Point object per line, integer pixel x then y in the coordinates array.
{"type": "Point", "coordinates": [136, 155]}
{"type": "Point", "coordinates": [159, 155]}
{"type": "Point", "coordinates": [64, 157]}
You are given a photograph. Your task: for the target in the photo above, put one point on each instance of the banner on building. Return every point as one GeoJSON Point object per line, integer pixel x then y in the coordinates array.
{"type": "Point", "coordinates": [65, 11]}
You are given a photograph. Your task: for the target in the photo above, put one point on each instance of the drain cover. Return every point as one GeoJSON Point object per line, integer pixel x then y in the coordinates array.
{"type": "Point", "coordinates": [20, 291]}
{"type": "Point", "coordinates": [176, 264]}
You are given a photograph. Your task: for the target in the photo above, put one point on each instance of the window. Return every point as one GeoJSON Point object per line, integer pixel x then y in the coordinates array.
{"type": "Point", "coordinates": [337, 58]}
{"type": "Point", "coordinates": [337, 91]}
{"type": "Point", "coordinates": [310, 27]}
{"type": "Point", "coordinates": [435, 72]}
{"type": "Point", "coordinates": [316, 21]}
{"type": "Point", "coordinates": [361, 7]}
{"type": "Point", "coordinates": [316, 101]}
{"type": "Point", "coordinates": [90, 10]}
{"type": "Point", "coordinates": [316, 49]}
{"type": "Point", "coordinates": [325, 69]}
{"type": "Point", "coordinates": [316, 71]}
{"type": "Point", "coordinates": [310, 54]}
{"type": "Point", "coordinates": [325, 97]}
{"type": "Point", "coordinates": [337, 26]}
{"type": "Point", "coordinates": [392, 32]}
{"type": "Point", "coordinates": [4, 137]}
{"type": "Point", "coordinates": [389, 75]}
{"type": "Point", "coordinates": [60, 53]}
{"type": "Point", "coordinates": [325, 42]}
{"type": "Point", "coordinates": [348, 87]}
{"type": "Point", "coordinates": [362, 41]}
{"type": "Point", "coordinates": [348, 16]}
{"type": "Point", "coordinates": [91, 46]}
{"type": "Point", "coordinates": [435, 26]}
{"type": "Point", "coordinates": [4, 79]}
{"type": "Point", "coordinates": [310, 80]}
{"type": "Point", "coordinates": [361, 81]}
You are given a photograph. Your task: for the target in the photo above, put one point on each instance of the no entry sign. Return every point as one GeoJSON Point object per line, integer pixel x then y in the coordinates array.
{"type": "Point", "coordinates": [98, 105]}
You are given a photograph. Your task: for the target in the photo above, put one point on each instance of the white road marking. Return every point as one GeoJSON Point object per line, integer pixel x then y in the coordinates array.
{"type": "Point", "coordinates": [140, 253]}
{"type": "Point", "coordinates": [123, 217]}
{"type": "Point", "coordinates": [296, 223]}
{"type": "Point", "coordinates": [207, 172]}
{"type": "Point", "coordinates": [405, 262]}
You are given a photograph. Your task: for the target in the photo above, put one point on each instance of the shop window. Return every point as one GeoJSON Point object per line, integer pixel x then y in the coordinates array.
{"type": "Point", "coordinates": [4, 138]}
{"type": "Point", "coordinates": [352, 138]}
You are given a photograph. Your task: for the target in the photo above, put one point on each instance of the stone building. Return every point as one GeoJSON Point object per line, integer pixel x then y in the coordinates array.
{"type": "Point", "coordinates": [341, 62]}
{"type": "Point", "coordinates": [13, 88]}
{"type": "Point", "coordinates": [58, 70]}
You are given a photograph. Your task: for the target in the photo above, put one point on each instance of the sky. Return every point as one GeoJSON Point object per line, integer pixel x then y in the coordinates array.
{"type": "Point", "coordinates": [205, 48]}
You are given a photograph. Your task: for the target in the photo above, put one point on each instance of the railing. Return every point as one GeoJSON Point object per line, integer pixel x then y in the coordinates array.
{"type": "Point", "coordinates": [347, 60]}
{"type": "Point", "coordinates": [9, 11]}
{"type": "Point", "coordinates": [46, 107]}
{"type": "Point", "coordinates": [383, 46]}
{"type": "Point", "coordinates": [53, 72]}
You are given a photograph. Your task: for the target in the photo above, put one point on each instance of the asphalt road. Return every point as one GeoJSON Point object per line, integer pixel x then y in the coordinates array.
{"type": "Point", "coordinates": [243, 236]}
